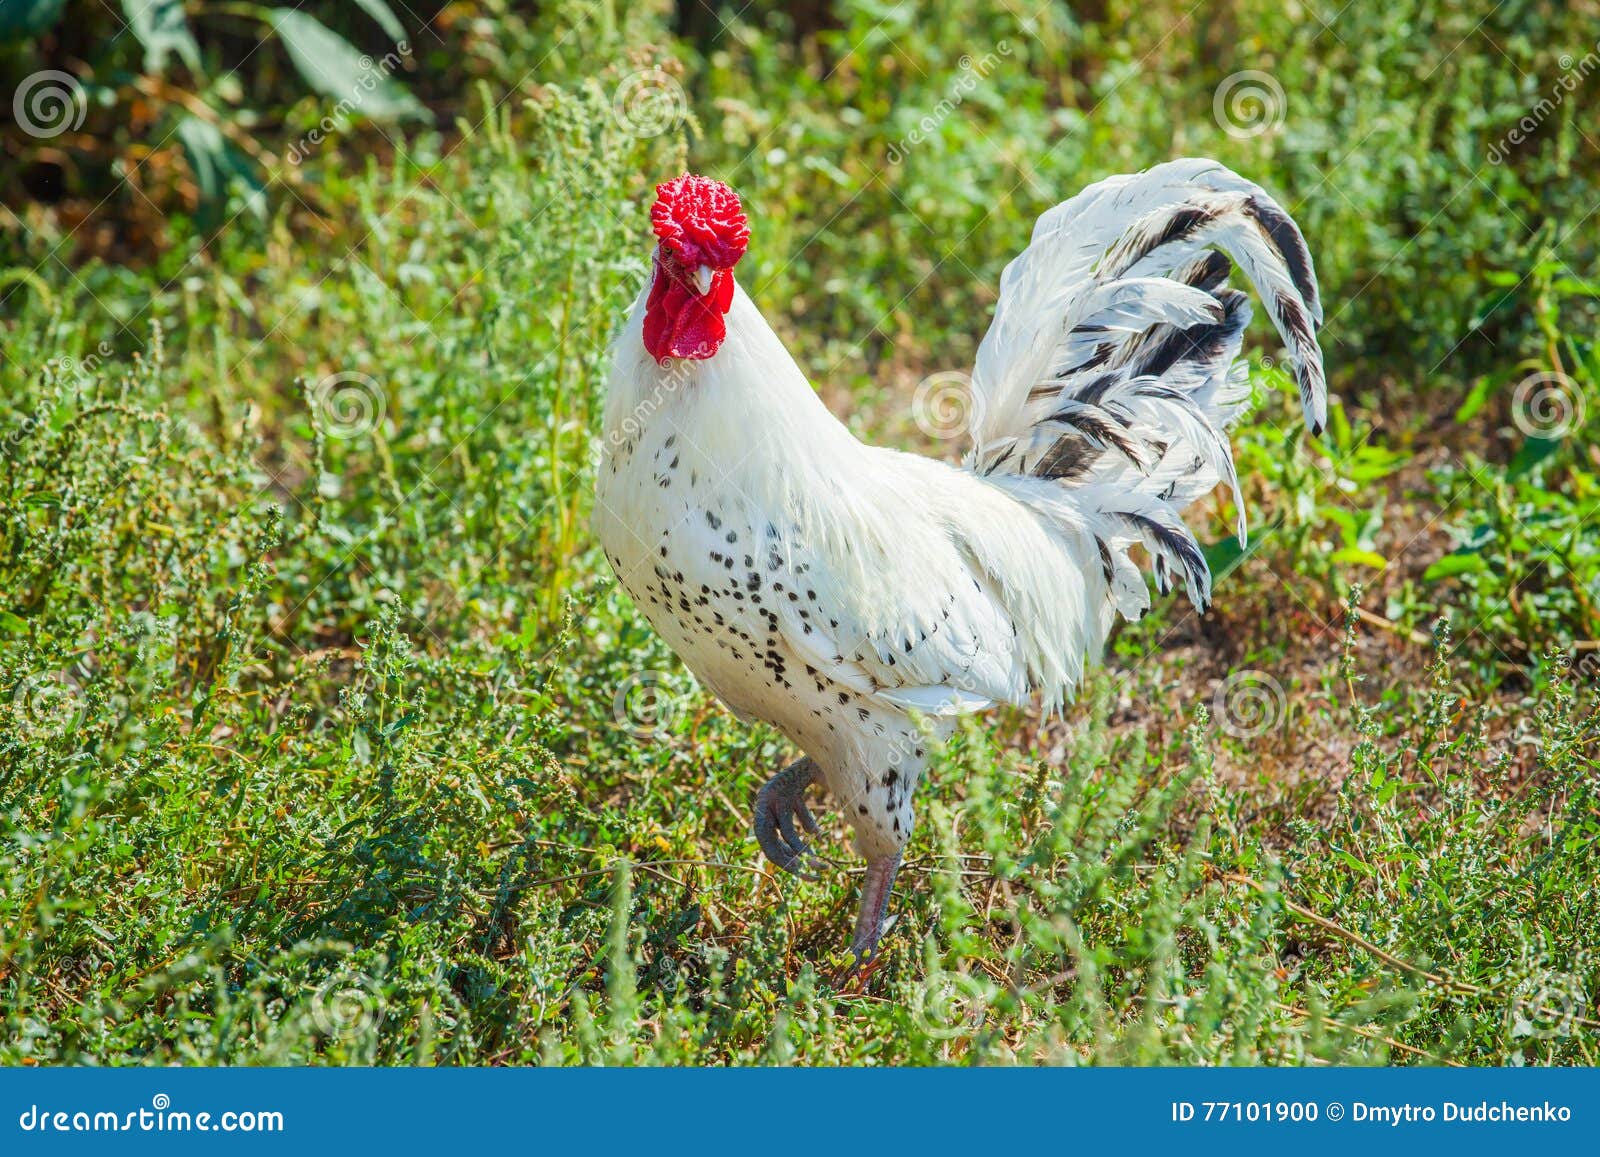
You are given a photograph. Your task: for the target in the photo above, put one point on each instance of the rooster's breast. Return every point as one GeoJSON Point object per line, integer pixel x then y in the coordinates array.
{"type": "Point", "coordinates": [700, 561]}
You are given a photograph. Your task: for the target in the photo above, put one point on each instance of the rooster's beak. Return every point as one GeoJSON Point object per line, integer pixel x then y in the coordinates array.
{"type": "Point", "coordinates": [703, 275]}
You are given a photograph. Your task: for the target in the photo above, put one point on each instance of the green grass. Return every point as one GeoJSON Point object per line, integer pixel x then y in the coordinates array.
{"type": "Point", "coordinates": [325, 735]}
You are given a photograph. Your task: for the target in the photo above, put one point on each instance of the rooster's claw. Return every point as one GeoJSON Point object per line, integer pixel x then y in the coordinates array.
{"type": "Point", "coordinates": [781, 800]}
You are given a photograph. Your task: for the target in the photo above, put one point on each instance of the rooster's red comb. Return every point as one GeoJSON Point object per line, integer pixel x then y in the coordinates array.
{"type": "Point", "coordinates": [701, 221]}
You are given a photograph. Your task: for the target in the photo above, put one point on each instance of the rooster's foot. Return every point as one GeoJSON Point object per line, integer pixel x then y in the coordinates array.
{"type": "Point", "coordinates": [871, 920]}
{"type": "Point", "coordinates": [779, 803]}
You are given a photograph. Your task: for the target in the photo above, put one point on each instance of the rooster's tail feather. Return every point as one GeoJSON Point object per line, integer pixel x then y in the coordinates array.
{"type": "Point", "coordinates": [1111, 367]}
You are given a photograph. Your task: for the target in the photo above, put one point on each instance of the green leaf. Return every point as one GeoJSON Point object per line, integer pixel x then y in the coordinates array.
{"type": "Point", "coordinates": [1576, 287]}
{"type": "Point", "coordinates": [216, 166]}
{"type": "Point", "coordinates": [1357, 556]}
{"type": "Point", "coordinates": [400, 724]}
{"type": "Point", "coordinates": [25, 17]}
{"type": "Point", "coordinates": [1532, 452]}
{"type": "Point", "coordinates": [1482, 390]}
{"type": "Point", "coordinates": [1454, 564]}
{"type": "Point", "coordinates": [380, 11]}
{"type": "Point", "coordinates": [1371, 463]}
{"type": "Point", "coordinates": [162, 27]}
{"type": "Point", "coordinates": [1339, 425]}
{"type": "Point", "coordinates": [1223, 556]}
{"type": "Point", "coordinates": [333, 67]}
{"type": "Point", "coordinates": [1355, 863]}
{"type": "Point", "coordinates": [201, 144]}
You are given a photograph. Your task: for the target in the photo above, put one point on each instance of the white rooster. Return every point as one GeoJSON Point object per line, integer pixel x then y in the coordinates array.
{"type": "Point", "coordinates": [858, 599]}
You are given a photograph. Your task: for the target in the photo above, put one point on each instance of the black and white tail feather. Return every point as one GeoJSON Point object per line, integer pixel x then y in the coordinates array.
{"type": "Point", "coordinates": [1111, 367]}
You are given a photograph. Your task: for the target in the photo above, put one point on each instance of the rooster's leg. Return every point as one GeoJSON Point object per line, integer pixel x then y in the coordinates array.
{"type": "Point", "coordinates": [875, 889]}
{"type": "Point", "coordinates": [779, 803]}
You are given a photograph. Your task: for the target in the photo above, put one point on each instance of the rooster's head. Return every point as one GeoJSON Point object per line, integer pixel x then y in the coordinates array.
{"type": "Point", "coordinates": [703, 233]}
